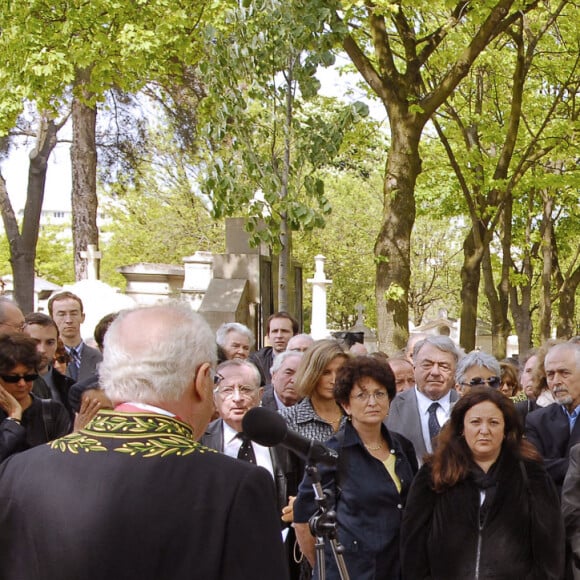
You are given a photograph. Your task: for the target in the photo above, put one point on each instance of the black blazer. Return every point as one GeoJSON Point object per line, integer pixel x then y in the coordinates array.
{"type": "Point", "coordinates": [285, 468]}
{"type": "Point", "coordinates": [548, 429]}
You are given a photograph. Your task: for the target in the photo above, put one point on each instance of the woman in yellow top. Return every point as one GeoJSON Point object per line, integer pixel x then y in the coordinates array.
{"type": "Point", "coordinates": [370, 481]}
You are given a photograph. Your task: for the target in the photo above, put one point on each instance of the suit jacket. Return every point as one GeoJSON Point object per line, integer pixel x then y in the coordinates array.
{"type": "Point", "coordinates": [571, 512]}
{"type": "Point", "coordinates": [286, 477]}
{"type": "Point", "coordinates": [404, 418]}
{"type": "Point", "coordinates": [90, 358]}
{"type": "Point", "coordinates": [268, 399]}
{"type": "Point", "coordinates": [133, 497]}
{"type": "Point", "coordinates": [263, 359]}
{"type": "Point", "coordinates": [548, 429]}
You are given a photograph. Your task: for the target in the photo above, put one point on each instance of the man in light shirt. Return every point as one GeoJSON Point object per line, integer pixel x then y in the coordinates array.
{"type": "Point", "coordinates": [418, 414]}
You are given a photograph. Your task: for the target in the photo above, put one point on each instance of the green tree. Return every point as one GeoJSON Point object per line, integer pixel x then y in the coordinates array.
{"type": "Point", "coordinates": [265, 133]}
{"type": "Point", "coordinates": [158, 215]}
{"type": "Point", "coordinates": [59, 53]}
{"type": "Point", "coordinates": [395, 47]}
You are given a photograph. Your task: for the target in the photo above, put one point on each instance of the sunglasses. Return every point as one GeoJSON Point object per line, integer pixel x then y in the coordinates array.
{"type": "Point", "coordinates": [492, 382]}
{"type": "Point", "coordinates": [16, 378]}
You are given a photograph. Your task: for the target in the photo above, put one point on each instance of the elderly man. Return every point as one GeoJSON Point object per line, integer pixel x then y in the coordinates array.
{"type": "Point", "coordinates": [282, 392]}
{"type": "Point", "coordinates": [133, 495]}
{"type": "Point", "coordinates": [300, 342]}
{"type": "Point", "coordinates": [11, 317]}
{"type": "Point", "coordinates": [477, 369]}
{"type": "Point", "coordinates": [280, 328]}
{"type": "Point", "coordinates": [554, 429]}
{"type": "Point", "coordinates": [419, 413]}
{"type": "Point", "coordinates": [238, 390]}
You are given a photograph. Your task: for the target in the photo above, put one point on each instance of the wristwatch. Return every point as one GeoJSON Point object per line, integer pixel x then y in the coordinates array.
{"type": "Point", "coordinates": [14, 419]}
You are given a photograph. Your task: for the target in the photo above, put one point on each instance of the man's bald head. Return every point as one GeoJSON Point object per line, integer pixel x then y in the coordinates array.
{"type": "Point", "coordinates": [152, 354]}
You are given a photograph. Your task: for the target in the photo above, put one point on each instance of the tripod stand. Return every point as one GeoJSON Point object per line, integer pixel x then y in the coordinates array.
{"type": "Point", "coordinates": [324, 528]}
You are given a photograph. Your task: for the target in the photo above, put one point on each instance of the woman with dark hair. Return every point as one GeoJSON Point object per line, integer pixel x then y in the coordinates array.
{"type": "Point", "coordinates": [370, 482]}
{"type": "Point", "coordinates": [483, 505]}
{"type": "Point", "coordinates": [25, 420]}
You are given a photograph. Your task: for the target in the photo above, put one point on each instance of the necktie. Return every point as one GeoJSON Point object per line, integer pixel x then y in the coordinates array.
{"type": "Point", "coordinates": [434, 426]}
{"type": "Point", "coordinates": [74, 364]}
{"type": "Point", "coordinates": [246, 452]}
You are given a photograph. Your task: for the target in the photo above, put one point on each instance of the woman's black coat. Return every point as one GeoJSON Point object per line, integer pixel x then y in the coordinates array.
{"type": "Point", "coordinates": [521, 537]}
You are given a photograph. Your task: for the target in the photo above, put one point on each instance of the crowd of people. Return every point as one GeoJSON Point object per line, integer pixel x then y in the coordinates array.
{"type": "Point", "coordinates": [133, 457]}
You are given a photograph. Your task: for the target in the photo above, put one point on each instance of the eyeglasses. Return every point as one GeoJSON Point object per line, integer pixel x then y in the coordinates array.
{"type": "Point", "coordinates": [364, 396]}
{"type": "Point", "coordinates": [492, 382]}
{"type": "Point", "coordinates": [227, 392]}
{"type": "Point", "coordinates": [16, 378]}
{"type": "Point", "coordinates": [19, 327]}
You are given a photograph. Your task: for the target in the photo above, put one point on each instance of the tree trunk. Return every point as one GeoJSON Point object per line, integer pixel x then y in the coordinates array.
{"type": "Point", "coordinates": [84, 177]}
{"type": "Point", "coordinates": [546, 278]}
{"type": "Point", "coordinates": [520, 307]}
{"type": "Point", "coordinates": [23, 245]}
{"type": "Point", "coordinates": [393, 245]}
{"type": "Point", "coordinates": [285, 257]}
{"type": "Point", "coordinates": [567, 306]}
{"type": "Point", "coordinates": [470, 276]}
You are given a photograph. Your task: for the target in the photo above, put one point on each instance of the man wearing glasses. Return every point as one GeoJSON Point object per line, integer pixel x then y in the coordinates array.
{"type": "Point", "coordinates": [11, 317]}
{"type": "Point", "coordinates": [418, 414]}
{"type": "Point", "coordinates": [237, 390]}
{"type": "Point", "coordinates": [477, 369]}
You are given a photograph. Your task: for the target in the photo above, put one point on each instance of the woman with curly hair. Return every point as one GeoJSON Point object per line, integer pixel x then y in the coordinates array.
{"type": "Point", "coordinates": [25, 420]}
{"type": "Point", "coordinates": [483, 505]}
{"type": "Point", "coordinates": [370, 482]}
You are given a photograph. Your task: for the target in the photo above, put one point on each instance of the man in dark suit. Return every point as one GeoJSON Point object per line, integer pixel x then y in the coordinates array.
{"type": "Point", "coordinates": [238, 390]}
{"type": "Point", "coordinates": [67, 310]}
{"type": "Point", "coordinates": [554, 429]}
{"type": "Point", "coordinates": [134, 495]}
{"type": "Point", "coordinates": [44, 330]}
{"type": "Point", "coordinates": [282, 392]}
{"type": "Point", "coordinates": [419, 413]}
{"type": "Point", "coordinates": [280, 328]}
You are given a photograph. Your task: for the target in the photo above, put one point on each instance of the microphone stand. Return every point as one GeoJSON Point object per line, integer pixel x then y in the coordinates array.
{"type": "Point", "coordinates": [323, 527]}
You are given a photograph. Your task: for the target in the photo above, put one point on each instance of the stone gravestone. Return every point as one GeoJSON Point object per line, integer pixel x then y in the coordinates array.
{"type": "Point", "coordinates": [242, 288]}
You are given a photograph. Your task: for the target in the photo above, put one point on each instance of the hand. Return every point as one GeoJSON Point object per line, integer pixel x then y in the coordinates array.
{"type": "Point", "coordinates": [89, 408]}
{"type": "Point", "coordinates": [10, 404]}
{"type": "Point", "coordinates": [288, 510]}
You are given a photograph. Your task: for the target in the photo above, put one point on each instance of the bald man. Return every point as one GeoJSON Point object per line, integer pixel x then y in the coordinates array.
{"type": "Point", "coordinates": [134, 495]}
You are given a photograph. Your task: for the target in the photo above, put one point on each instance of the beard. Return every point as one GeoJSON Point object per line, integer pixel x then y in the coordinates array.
{"type": "Point", "coordinates": [564, 398]}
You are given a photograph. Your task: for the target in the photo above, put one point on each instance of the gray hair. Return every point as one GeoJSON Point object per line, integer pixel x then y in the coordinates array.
{"type": "Point", "coordinates": [281, 357]}
{"type": "Point", "coordinates": [440, 342]}
{"type": "Point", "coordinates": [227, 327]}
{"type": "Point", "coordinates": [163, 368]}
{"type": "Point", "coordinates": [4, 300]}
{"type": "Point", "coordinates": [476, 358]}
{"type": "Point", "coordinates": [241, 362]}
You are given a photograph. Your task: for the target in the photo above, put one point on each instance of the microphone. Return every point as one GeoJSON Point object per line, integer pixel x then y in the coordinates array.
{"type": "Point", "coordinates": [269, 428]}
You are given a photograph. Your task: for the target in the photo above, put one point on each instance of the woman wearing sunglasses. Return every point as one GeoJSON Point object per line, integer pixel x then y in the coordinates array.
{"type": "Point", "coordinates": [477, 369]}
{"type": "Point", "coordinates": [25, 420]}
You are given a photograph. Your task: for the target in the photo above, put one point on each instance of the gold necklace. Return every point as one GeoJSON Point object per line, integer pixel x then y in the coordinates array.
{"type": "Point", "coordinates": [371, 448]}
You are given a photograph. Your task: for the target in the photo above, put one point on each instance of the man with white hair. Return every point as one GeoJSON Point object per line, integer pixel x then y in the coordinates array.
{"type": "Point", "coordinates": [554, 429]}
{"type": "Point", "coordinates": [418, 414]}
{"type": "Point", "coordinates": [134, 495]}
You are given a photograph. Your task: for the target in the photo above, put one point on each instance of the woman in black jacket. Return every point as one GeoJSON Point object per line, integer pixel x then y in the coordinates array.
{"type": "Point", "coordinates": [25, 420]}
{"type": "Point", "coordinates": [483, 505]}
